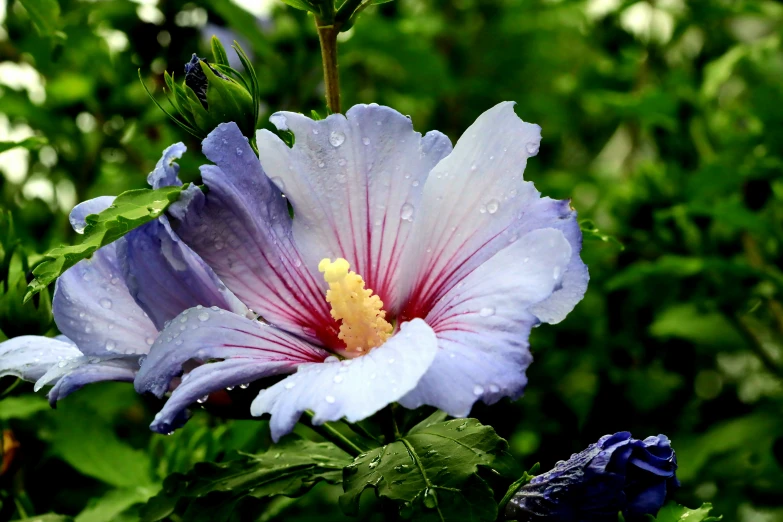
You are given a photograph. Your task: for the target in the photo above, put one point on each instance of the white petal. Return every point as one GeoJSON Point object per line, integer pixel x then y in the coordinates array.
{"type": "Point", "coordinates": [30, 356]}
{"type": "Point", "coordinates": [355, 183]}
{"type": "Point", "coordinates": [483, 324]}
{"type": "Point", "coordinates": [354, 388]}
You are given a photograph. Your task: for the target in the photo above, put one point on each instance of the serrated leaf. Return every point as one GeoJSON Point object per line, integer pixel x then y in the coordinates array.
{"type": "Point", "coordinates": [290, 468]}
{"type": "Point", "coordinates": [673, 512]}
{"type": "Point", "coordinates": [131, 209]}
{"type": "Point", "coordinates": [33, 142]}
{"type": "Point", "coordinates": [22, 407]}
{"type": "Point", "coordinates": [433, 471]}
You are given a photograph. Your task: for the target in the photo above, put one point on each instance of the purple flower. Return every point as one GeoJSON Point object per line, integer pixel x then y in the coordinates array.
{"type": "Point", "coordinates": [618, 473]}
{"type": "Point", "coordinates": [110, 307]}
{"type": "Point", "coordinates": [410, 272]}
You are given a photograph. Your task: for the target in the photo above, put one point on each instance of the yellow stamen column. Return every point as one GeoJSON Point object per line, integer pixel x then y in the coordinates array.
{"type": "Point", "coordinates": [364, 324]}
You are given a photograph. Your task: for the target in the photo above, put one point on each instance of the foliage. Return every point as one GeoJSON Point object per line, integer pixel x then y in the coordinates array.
{"type": "Point", "coordinates": [662, 122]}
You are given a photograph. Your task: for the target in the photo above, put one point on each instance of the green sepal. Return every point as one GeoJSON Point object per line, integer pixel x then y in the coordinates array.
{"type": "Point", "coordinates": [130, 209]}
{"type": "Point", "coordinates": [228, 101]}
{"type": "Point", "coordinates": [673, 512]}
{"type": "Point", "coordinates": [218, 51]}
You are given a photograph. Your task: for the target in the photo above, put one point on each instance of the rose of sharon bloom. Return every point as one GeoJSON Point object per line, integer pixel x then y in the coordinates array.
{"type": "Point", "coordinates": [110, 307]}
{"type": "Point", "coordinates": [618, 473]}
{"type": "Point", "coordinates": [410, 272]}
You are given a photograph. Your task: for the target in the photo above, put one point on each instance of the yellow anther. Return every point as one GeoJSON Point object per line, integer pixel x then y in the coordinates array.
{"type": "Point", "coordinates": [363, 319]}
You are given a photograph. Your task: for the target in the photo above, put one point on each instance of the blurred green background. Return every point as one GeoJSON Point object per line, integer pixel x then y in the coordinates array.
{"type": "Point", "coordinates": [662, 120]}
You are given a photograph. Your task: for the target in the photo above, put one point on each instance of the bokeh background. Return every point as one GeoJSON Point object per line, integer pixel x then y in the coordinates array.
{"type": "Point", "coordinates": [662, 121]}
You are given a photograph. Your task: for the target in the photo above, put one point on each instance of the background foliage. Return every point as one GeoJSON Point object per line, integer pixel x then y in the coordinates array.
{"type": "Point", "coordinates": [662, 120]}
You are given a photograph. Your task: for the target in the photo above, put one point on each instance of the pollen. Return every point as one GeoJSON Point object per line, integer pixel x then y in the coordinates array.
{"type": "Point", "coordinates": [364, 324]}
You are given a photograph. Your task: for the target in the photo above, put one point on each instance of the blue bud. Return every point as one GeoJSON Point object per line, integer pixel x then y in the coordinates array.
{"type": "Point", "coordinates": [616, 474]}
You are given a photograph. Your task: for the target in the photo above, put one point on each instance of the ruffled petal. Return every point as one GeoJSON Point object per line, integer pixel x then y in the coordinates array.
{"type": "Point", "coordinates": [483, 325]}
{"type": "Point", "coordinates": [206, 334]}
{"type": "Point", "coordinates": [242, 229]}
{"type": "Point", "coordinates": [30, 356]}
{"type": "Point", "coordinates": [78, 372]}
{"type": "Point", "coordinates": [165, 173]}
{"type": "Point", "coordinates": [353, 388]}
{"type": "Point", "coordinates": [355, 182]}
{"type": "Point", "coordinates": [475, 203]}
{"type": "Point", "coordinates": [166, 277]}
{"type": "Point", "coordinates": [93, 307]}
{"type": "Point", "coordinates": [78, 215]}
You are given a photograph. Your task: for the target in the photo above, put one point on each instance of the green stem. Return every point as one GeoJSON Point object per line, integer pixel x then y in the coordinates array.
{"type": "Point", "coordinates": [327, 35]}
{"type": "Point", "coordinates": [330, 433]}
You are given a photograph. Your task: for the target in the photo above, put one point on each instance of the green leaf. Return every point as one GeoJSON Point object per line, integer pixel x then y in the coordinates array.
{"type": "Point", "coordinates": [131, 209]}
{"type": "Point", "coordinates": [590, 231]}
{"type": "Point", "coordinates": [49, 517]}
{"type": "Point", "coordinates": [526, 477]}
{"type": "Point", "coordinates": [108, 507]}
{"type": "Point", "coordinates": [34, 142]}
{"type": "Point", "coordinates": [87, 442]}
{"type": "Point", "coordinates": [290, 468]}
{"type": "Point", "coordinates": [673, 512]}
{"type": "Point", "coordinates": [300, 4]}
{"type": "Point", "coordinates": [22, 407]}
{"type": "Point", "coordinates": [45, 15]}
{"type": "Point", "coordinates": [219, 52]}
{"type": "Point", "coordinates": [433, 471]}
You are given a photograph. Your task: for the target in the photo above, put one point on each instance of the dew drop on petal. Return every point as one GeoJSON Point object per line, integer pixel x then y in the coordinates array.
{"type": "Point", "coordinates": [406, 213]}
{"type": "Point", "coordinates": [239, 151]}
{"type": "Point", "coordinates": [203, 316]}
{"type": "Point", "coordinates": [556, 273]}
{"type": "Point", "coordinates": [487, 311]}
{"type": "Point", "coordinates": [366, 141]}
{"type": "Point", "coordinates": [289, 385]}
{"type": "Point", "coordinates": [244, 386]}
{"type": "Point", "coordinates": [494, 388]}
{"type": "Point", "coordinates": [321, 164]}
{"type": "Point", "coordinates": [336, 138]}
{"type": "Point", "coordinates": [106, 303]}
{"type": "Point", "coordinates": [532, 148]}
{"type": "Point", "coordinates": [150, 340]}
{"type": "Point", "coordinates": [110, 345]}
{"type": "Point", "coordinates": [493, 205]}
{"type": "Point", "coordinates": [61, 364]}
{"type": "Point", "coordinates": [338, 379]}
{"type": "Point", "coordinates": [478, 389]}
{"type": "Point", "coordinates": [330, 399]}
{"type": "Point", "coordinates": [203, 399]}
{"type": "Point", "coordinates": [331, 359]}
{"type": "Point", "coordinates": [341, 162]}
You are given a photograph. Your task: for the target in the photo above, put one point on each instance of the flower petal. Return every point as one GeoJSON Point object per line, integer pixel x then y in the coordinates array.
{"type": "Point", "coordinates": [242, 229]}
{"type": "Point", "coordinates": [483, 325]}
{"type": "Point", "coordinates": [206, 334]}
{"type": "Point", "coordinates": [85, 370]}
{"type": "Point", "coordinates": [166, 277]}
{"type": "Point", "coordinates": [353, 388]}
{"type": "Point", "coordinates": [30, 356]}
{"type": "Point", "coordinates": [78, 215]}
{"type": "Point", "coordinates": [165, 173]}
{"type": "Point", "coordinates": [93, 307]}
{"type": "Point", "coordinates": [354, 182]}
{"type": "Point", "coordinates": [475, 203]}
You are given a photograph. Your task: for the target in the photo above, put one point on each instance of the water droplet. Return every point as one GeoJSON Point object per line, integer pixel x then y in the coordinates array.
{"type": "Point", "coordinates": [336, 138]}
{"type": "Point", "coordinates": [341, 162]}
{"type": "Point", "coordinates": [415, 183]}
{"type": "Point", "coordinates": [290, 384]}
{"type": "Point", "coordinates": [183, 319]}
{"type": "Point", "coordinates": [331, 359]}
{"type": "Point", "coordinates": [106, 303]}
{"type": "Point", "coordinates": [338, 379]}
{"type": "Point", "coordinates": [430, 499]}
{"type": "Point", "coordinates": [203, 399]}
{"type": "Point", "coordinates": [402, 468]}
{"type": "Point", "coordinates": [462, 426]}
{"type": "Point", "coordinates": [492, 206]}
{"type": "Point", "coordinates": [478, 390]}
{"type": "Point", "coordinates": [142, 359]}
{"type": "Point", "coordinates": [229, 388]}
{"type": "Point", "coordinates": [315, 131]}
{"type": "Point", "coordinates": [61, 364]}
{"type": "Point", "coordinates": [96, 360]}
{"type": "Point", "coordinates": [110, 345]}
{"type": "Point", "coordinates": [203, 316]}
{"type": "Point", "coordinates": [494, 388]}
{"type": "Point", "coordinates": [532, 148]}
{"type": "Point", "coordinates": [244, 386]}
{"type": "Point", "coordinates": [366, 141]}
{"type": "Point", "coordinates": [321, 164]}
{"type": "Point", "coordinates": [556, 273]}
{"type": "Point", "coordinates": [150, 340]}
{"type": "Point", "coordinates": [81, 314]}
{"type": "Point", "coordinates": [483, 209]}
{"type": "Point", "coordinates": [330, 399]}
{"type": "Point", "coordinates": [406, 213]}
{"type": "Point", "coordinates": [239, 151]}
{"type": "Point", "coordinates": [487, 311]}
{"type": "Point", "coordinates": [115, 280]}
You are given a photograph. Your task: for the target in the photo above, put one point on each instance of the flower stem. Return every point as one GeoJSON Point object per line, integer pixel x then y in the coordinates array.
{"type": "Point", "coordinates": [327, 35]}
{"type": "Point", "coordinates": [330, 433]}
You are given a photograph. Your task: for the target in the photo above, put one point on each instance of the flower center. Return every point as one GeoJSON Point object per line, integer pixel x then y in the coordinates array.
{"type": "Point", "coordinates": [363, 319]}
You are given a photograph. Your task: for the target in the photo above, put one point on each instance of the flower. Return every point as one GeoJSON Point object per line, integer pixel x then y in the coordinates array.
{"type": "Point", "coordinates": [410, 272]}
{"type": "Point", "coordinates": [618, 473]}
{"type": "Point", "coordinates": [110, 308]}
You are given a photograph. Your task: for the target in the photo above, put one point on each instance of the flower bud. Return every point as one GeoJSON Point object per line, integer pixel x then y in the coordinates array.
{"type": "Point", "coordinates": [616, 474]}
{"type": "Point", "coordinates": [215, 93]}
